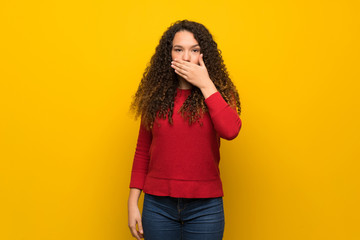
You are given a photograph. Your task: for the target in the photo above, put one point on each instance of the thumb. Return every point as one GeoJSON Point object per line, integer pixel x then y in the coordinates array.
{"type": "Point", "coordinates": [201, 60]}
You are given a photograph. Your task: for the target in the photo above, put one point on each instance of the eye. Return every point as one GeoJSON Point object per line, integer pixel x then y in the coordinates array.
{"type": "Point", "coordinates": [176, 50]}
{"type": "Point", "coordinates": [196, 50]}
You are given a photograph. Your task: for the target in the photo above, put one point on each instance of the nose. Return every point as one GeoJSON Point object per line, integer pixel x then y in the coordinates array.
{"type": "Point", "coordinates": [186, 56]}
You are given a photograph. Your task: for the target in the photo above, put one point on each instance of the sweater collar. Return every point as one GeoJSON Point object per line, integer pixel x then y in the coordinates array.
{"type": "Point", "coordinates": [181, 92]}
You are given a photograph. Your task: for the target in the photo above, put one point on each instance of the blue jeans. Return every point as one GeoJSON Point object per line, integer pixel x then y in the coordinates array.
{"type": "Point", "coordinates": [168, 218]}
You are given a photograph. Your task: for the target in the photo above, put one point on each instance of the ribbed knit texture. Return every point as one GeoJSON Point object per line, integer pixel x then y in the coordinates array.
{"type": "Point", "coordinates": [182, 160]}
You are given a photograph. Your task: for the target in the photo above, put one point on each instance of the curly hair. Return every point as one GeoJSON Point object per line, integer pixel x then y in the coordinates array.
{"type": "Point", "coordinates": [157, 89]}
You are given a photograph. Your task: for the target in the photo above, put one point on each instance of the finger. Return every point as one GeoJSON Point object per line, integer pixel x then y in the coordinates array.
{"type": "Point", "coordinates": [201, 60]}
{"type": "Point", "coordinates": [140, 226]}
{"type": "Point", "coordinates": [134, 232]}
{"type": "Point", "coordinates": [141, 235]}
{"type": "Point", "coordinates": [179, 70]}
{"type": "Point", "coordinates": [180, 66]}
{"type": "Point", "coordinates": [181, 74]}
{"type": "Point", "coordinates": [184, 64]}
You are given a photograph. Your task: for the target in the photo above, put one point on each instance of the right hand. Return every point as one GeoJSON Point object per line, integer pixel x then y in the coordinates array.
{"type": "Point", "coordinates": [135, 219]}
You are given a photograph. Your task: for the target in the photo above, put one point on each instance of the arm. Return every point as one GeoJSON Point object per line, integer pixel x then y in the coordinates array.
{"type": "Point", "coordinates": [227, 122]}
{"type": "Point", "coordinates": [225, 119]}
{"type": "Point", "coordinates": [138, 174]}
{"type": "Point", "coordinates": [141, 158]}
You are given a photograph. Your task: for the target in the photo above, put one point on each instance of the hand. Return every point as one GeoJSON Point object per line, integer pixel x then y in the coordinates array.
{"type": "Point", "coordinates": [135, 219]}
{"type": "Point", "coordinates": [195, 74]}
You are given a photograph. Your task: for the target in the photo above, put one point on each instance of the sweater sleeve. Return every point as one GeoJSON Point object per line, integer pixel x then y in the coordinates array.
{"type": "Point", "coordinates": [227, 122]}
{"type": "Point", "coordinates": [141, 158]}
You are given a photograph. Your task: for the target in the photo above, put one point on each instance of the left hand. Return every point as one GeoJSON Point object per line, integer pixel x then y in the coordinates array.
{"type": "Point", "coordinates": [195, 74]}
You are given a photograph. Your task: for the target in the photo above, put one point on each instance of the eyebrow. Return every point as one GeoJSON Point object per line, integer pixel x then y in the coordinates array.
{"type": "Point", "coordinates": [191, 46]}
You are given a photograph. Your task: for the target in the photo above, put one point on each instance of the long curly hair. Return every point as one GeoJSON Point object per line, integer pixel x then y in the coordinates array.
{"type": "Point", "coordinates": [157, 89]}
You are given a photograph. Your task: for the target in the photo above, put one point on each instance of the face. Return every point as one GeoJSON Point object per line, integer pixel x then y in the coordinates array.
{"type": "Point", "coordinates": [185, 47]}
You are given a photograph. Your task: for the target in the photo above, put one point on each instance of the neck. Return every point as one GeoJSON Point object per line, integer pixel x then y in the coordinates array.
{"type": "Point", "coordinates": [183, 84]}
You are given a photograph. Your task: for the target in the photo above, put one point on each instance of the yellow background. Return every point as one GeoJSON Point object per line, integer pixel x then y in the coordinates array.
{"type": "Point", "coordinates": [69, 69]}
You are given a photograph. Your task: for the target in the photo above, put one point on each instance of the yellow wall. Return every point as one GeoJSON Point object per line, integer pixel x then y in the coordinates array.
{"type": "Point", "coordinates": [69, 69]}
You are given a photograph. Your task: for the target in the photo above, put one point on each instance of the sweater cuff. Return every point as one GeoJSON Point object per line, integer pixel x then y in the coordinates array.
{"type": "Point", "coordinates": [137, 180]}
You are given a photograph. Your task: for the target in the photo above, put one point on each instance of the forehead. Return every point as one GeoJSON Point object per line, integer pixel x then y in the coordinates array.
{"type": "Point", "coordinates": [184, 38]}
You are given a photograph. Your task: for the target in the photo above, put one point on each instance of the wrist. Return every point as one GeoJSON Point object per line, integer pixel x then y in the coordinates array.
{"type": "Point", "coordinates": [208, 89]}
{"type": "Point", "coordinates": [132, 205]}
{"type": "Point", "coordinates": [134, 196]}
{"type": "Point", "coordinates": [133, 202]}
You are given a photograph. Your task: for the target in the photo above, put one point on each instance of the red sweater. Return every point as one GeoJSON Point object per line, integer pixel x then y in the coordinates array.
{"type": "Point", "coordinates": [182, 160]}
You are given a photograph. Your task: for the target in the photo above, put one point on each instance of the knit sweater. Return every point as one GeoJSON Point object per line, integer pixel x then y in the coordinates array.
{"type": "Point", "coordinates": [182, 160]}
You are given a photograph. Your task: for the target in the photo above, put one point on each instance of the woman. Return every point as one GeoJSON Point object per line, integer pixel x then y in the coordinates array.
{"type": "Point", "coordinates": [187, 102]}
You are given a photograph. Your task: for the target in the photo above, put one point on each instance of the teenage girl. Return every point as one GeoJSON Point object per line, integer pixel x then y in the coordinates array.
{"type": "Point", "coordinates": [187, 102]}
